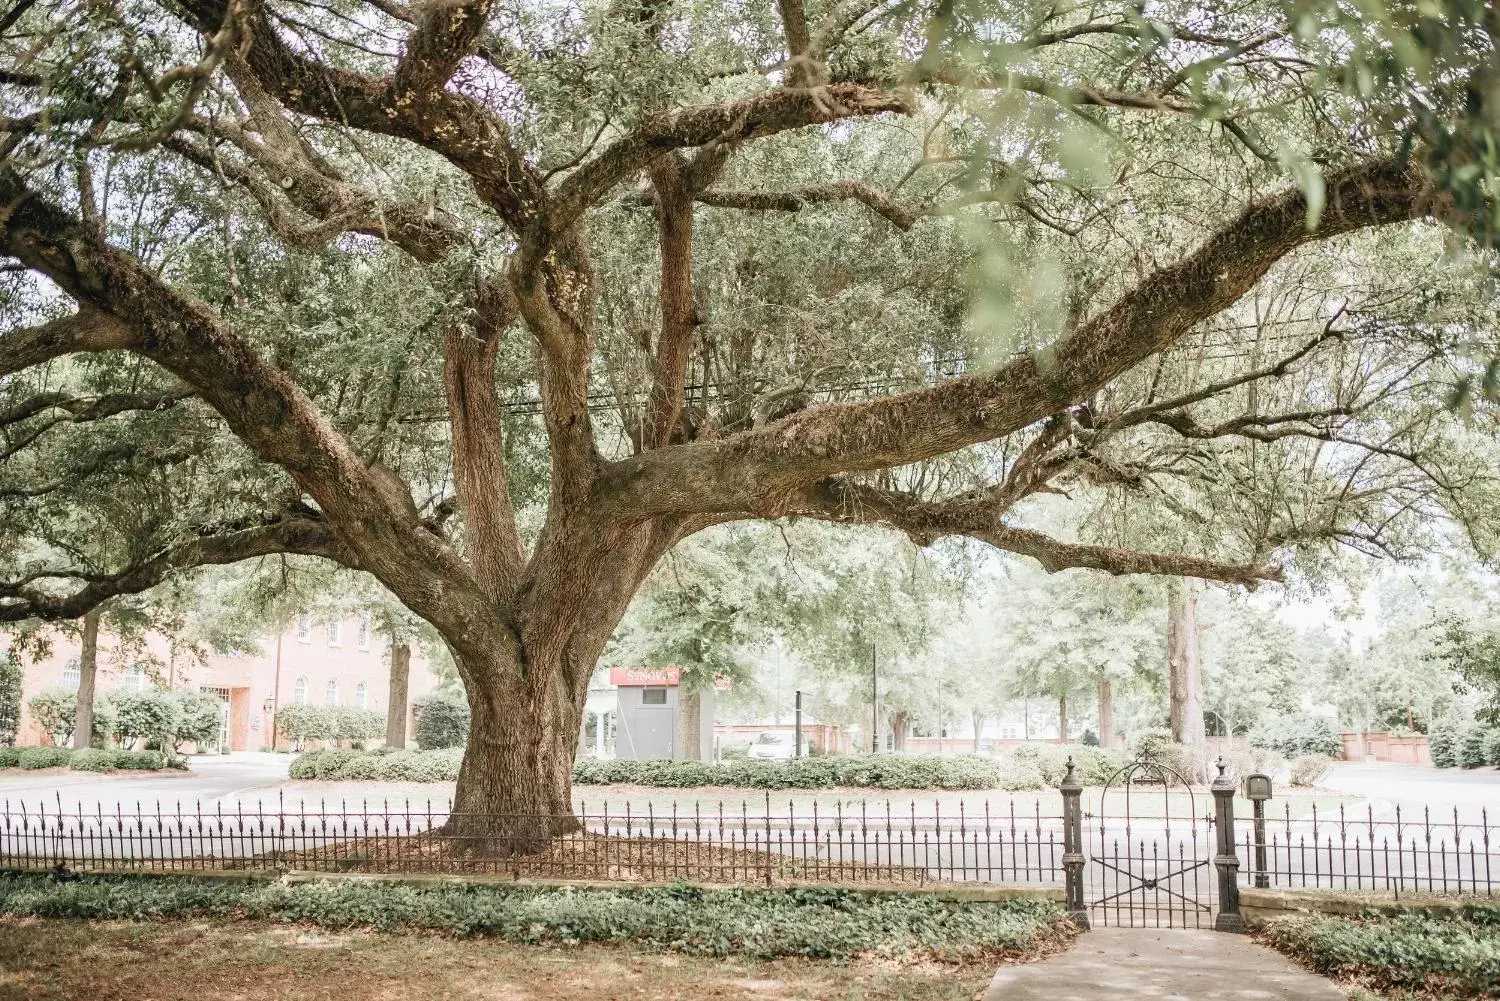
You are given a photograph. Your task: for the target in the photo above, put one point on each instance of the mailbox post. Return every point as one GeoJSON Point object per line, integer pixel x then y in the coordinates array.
{"type": "Point", "coordinates": [1257, 791]}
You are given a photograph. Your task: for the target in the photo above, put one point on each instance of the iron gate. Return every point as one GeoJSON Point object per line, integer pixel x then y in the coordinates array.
{"type": "Point", "coordinates": [1150, 847]}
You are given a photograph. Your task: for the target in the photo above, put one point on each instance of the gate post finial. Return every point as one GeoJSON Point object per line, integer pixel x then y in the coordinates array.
{"type": "Point", "coordinates": [1073, 860]}
{"type": "Point", "coordinates": [1226, 861]}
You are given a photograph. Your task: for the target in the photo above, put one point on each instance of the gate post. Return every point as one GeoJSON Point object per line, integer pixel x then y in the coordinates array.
{"type": "Point", "coordinates": [1226, 861]}
{"type": "Point", "coordinates": [1073, 860]}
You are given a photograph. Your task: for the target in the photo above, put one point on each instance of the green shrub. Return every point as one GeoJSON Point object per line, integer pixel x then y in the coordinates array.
{"type": "Point", "coordinates": [55, 710]}
{"type": "Point", "coordinates": [144, 761]}
{"type": "Point", "coordinates": [300, 723]}
{"type": "Point", "coordinates": [44, 757]}
{"type": "Point", "coordinates": [92, 760]}
{"type": "Point", "coordinates": [10, 698]}
{"type": "Point", "coordinates": [346, 764]}
{"type": "Point", "coordinates": [1432, 956]}
{"type": "Point", "coordinates": [879, 771]}
{"type": "Point", "coordinates": [358, 724]}
{"type": "Point", "coordinates": [145, 714]}
{"type": "Point", "coordinates": [10, 757]}
{"type": "Point", "coordinates": [1492, 746]}
{"type": "Point", "coordinates": [818, 923]}
{"type": "Point", "coordinates": [1442, 743]}
{"type": "Point", "coordinates": [440, 720]}
{"type": "Point", "coordinates": [1309, 769]}
{"type": "Point", "coordinates": [195, 717]}
{"type": "Point", "coordinates": [1297, 735]}
{"type": "Point", "coordinates": [1470, 746]}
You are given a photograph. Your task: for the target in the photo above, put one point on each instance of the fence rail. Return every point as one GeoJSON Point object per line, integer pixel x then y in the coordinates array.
{"type": "Point", "coordinates": [1398, 853]}
{"type": "Point", "coordinates": [868, 842]}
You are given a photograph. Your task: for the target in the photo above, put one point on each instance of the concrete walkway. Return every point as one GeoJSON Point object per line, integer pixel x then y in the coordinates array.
{"type": "Point", "coordinates": [1125, 964]}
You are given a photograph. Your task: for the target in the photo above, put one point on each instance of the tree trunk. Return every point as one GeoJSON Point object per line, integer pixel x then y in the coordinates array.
{"type": "Point", "coordinates": [899, 724]}
{"type": "Point", "coordinates": [689, 724]}
{"type": "Point", "coordinates": [88, 664]}
{"type": "Point", "coordinates": [395, 713]}
{"type": "Point", "coordinates": [1062, 717]}
{"type": "Point", "coordinates": [978, 718]}
{"type": "Point", "coordinates": [1106, 711]}
{"type": "Point", "coordinates": [515, 786]}
{"type": "Point", "coordinates": [1186, 675]}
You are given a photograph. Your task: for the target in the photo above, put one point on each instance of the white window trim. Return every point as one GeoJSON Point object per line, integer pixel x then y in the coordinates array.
{"type": "Point", "coordinates": [304, 628]}
{"type": "Point", "coordinates": [331, 687]}
{"type": "Point", "coordinates": [362, 637]}
{"type": "Point", "coordinates": [335, 632]}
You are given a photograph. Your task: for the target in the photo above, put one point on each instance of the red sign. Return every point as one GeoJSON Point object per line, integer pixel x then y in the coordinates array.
{"type": "Point", "coordinates": [631, 676]}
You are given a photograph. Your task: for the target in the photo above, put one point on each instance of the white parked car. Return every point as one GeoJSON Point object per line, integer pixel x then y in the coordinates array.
{"type": "Point", "coordinates": [775, 745]}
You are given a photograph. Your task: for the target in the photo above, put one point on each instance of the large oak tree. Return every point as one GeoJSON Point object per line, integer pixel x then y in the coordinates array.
{"type": "Point", "coordinates": [678, 264]}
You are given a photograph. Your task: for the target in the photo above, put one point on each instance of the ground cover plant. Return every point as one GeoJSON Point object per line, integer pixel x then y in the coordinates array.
{"type": "Point", "coordinates": [765, 924]}
{"type": "Point", "coordinates": [1412, 954]}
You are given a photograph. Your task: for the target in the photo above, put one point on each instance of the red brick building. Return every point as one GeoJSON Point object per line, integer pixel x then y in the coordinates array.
{"type": "Point", "coordinates": [317, 662]}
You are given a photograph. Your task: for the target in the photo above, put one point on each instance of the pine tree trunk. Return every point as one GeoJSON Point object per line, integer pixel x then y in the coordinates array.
{"type": "Point", "coordinates": [1186, 676]}
{"type": "Point", "coordinates": [1062, 717]}
{"type": "Point", "coordinates": [395, 714]}
{"type": "Point", "coordinates": [88, 664]}
{"type": "Point", "coordinates": [1106, 712]}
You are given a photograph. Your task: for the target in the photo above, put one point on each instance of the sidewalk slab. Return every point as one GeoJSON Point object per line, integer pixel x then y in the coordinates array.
{"type": "Point", "coordinates": [1134, 964]}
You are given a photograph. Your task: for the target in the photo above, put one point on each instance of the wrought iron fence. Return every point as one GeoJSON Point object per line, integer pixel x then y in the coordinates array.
{"type": "Point", "coordinates": [1395, 852]}
{"type": "Point", "coordinates": [756, 842]}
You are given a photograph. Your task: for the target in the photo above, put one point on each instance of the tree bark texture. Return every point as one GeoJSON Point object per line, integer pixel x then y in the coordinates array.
{"type": "Point", "coordinates": [396, 708]}
{"type": "Point", "coordinates": [88, 669]}
{"type": "Point", "coordinates": [1186, 675]}
{"type": "Point", "coordinates": [1062, 717]}
{"type": "Point", "coordinates": [1106, 711]}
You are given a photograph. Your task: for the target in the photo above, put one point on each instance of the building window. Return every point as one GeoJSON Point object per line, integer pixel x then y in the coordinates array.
{"type": "Point", "coordinates": [304, 628]}
{"type": "Point", "coordinates": [331, 692]}
{"type": "Point", "coordinates": [653, 696]}
{"type": "Point", "coordinates": [336, 632]}
{"type": "Point", "coordinates": [361, 695]}
{"type": "Point", "coordinates": [135, 678]}
{"type": "Point", "coordinates": [362, 639]}
{"type": "Point", "coordinates": [299, 692]}
{"type": "Point", "coordinates": [72, 674]}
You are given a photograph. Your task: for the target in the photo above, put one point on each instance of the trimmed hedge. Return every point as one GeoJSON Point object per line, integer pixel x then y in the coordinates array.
{"type": "Point", "coordinates": [1436, 957]}
{"type": "Point", "coordinates": [879, 771]}
{"type": "Point", "coordinates": [1028, 767]}
{"type": "Point", "coordinates": [91, 759]}
{"type": "Point", "coordinates": [33, 758]}
{"type": "Point", "coordinates": [761, 924]}
{"type": "Point", "coordinates": [383, 765]}
{"type": "Point", "coordinates": [1460, 743]}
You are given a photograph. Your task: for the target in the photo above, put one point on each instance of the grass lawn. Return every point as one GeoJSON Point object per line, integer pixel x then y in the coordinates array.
{"type": "Point", "coordinates": [193, 960]}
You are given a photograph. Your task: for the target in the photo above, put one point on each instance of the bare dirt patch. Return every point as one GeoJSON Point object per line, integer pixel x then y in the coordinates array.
{"type": "Point", "coordinates": [189, 961]}
{"type": "Point", "coordinates": [588, 856]}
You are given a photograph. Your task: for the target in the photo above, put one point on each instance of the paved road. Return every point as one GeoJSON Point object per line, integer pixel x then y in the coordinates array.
{"type": "Point", "coordinates": [1414, 786]}
{"type": "Point", "coordinates": [1135, 965]}
{"type": "Point", "coordinates": [210, 779]}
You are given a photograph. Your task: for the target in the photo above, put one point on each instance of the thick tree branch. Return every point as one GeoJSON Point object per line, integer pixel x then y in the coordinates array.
{"type": "Point", "coordinates": [759, 469]}
{"type": "Point", "coordinates": [837, 499]}
{"type": "Point", "coordinates": [736, 121]}
{"type": "Point", "coordinates": [299, 534]}
{"type": "Point", "coordinates": [478, 443]}
{"type": "Point", "coordinates": [372, 512]}
{"type": "Point", "coordinates": [84, 331]}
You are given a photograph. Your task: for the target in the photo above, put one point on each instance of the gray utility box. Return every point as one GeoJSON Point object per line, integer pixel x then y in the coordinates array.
{"type": "Point", "coordinates": [656, 718]}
